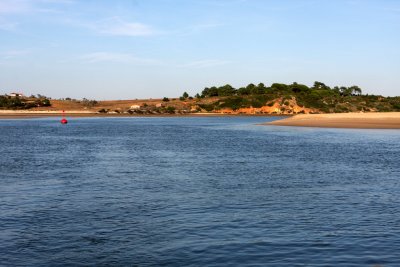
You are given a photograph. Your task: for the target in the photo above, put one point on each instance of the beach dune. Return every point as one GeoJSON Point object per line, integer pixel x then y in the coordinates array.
{"type": "Point", "coordinates": [387, 120]}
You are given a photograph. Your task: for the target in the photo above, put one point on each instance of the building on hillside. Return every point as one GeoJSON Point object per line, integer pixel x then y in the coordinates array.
{"type": "Point", "coordinates": [16, 95]}
{"type": "Point", "coordinates": [135, 107]}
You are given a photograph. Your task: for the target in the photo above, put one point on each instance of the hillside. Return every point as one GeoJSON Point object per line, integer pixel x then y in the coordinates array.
{"type": "Point", "coordinates": [252, 99]}
{"type": "Point", "coordinates": [296, 98]}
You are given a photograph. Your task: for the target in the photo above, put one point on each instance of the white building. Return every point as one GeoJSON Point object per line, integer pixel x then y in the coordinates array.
{"type": "Point", "coordinates": [16, 95]}
{"type": "Point", "coordinates": [135, 107]}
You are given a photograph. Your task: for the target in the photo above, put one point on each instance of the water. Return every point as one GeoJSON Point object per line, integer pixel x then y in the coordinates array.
{"type": "Point", "coordinates": [220, 191]}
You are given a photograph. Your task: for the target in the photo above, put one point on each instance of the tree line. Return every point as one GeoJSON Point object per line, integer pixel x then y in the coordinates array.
{"type": "Point", "coordinates": [296, 88]}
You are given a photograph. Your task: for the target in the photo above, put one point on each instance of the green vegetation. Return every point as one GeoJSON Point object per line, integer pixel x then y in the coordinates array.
{"type": "Point", "coordinates": [15, 102]}
{"type": "Point", "coordinates": [320, 97]}
{"type": "Point", "coordinates": [170, 109]}
{"type": "Point", "coordinates": [185, 96]}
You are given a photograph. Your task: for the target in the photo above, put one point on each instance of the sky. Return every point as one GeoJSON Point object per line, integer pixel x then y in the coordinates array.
{"type": "Point", "coordinates": [128, 49]}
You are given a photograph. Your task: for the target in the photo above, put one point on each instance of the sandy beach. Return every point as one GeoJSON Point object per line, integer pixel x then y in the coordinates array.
{"type": "Point", "coordinates": [15, 114]}
{"type": "Point", "coordinates": [25, 114]}
{"type": "Point", "coordinates": [389, 120]}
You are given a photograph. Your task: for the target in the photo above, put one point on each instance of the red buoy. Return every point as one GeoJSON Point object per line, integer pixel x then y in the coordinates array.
{"type": "Point", "coordinates": [64, 120]}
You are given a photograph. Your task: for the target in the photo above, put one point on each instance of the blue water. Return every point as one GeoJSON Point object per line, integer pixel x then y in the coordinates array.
{"type": "Point", "coordinates": [219, 191]}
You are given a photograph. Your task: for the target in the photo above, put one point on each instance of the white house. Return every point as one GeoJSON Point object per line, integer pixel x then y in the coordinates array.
{"type": "Point", "coordinates": [16, 95]}
{"type": "Point", "coordinates": [135, 107]}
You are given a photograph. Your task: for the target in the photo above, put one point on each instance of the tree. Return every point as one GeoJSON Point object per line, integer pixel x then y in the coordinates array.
{"type": "Point", "coordinates": [336, 89]}
{"type": "Point", "coordinates": [243, 91]}
{"type": "Point", "coordinates": [257, 90]}
{"type": "Point", "coordinates": [208, 92]}
{"type": "Point", "coordinates": [355, 90]}
{"type": "Point", "coordinates": [279, 86]}
{"type": "Point", "coordinates": [185, 95]}
{"type": "Point", "coordinates": [226, 90]}
{"type": "Point", "coordinates": [298, 88]}
{"type": "Point", "coordinates": [345, 91]}
{"type": "Point", "coordinates": [251, 87]}
{"type": "Point", "coordinates": [165, 99]}
{"type": "Point", "coordinates": [205, 92]}
{"type": "Point", "coordinates": [320, 86]}
{"type": "Point", "coordinates": [46, 102]}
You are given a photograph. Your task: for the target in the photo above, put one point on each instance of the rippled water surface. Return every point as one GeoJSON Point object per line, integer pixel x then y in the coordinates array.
{"type": "Point", "coordinates": [211, 191]}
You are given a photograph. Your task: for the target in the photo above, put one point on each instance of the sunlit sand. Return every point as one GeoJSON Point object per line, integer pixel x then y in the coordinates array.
{"type": "Point", "coordinates": [389, 120]}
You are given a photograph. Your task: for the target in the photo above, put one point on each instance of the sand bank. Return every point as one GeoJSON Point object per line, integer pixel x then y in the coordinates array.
{"type": "Point", "coordinates": [26, 114]}
{"type": "Point", "coordinates": [15, 114]}
{"type": "Point", "coordinates": [389, 120]}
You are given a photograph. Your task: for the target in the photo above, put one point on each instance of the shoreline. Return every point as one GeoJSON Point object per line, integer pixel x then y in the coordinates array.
{"type": "Point", "coordinates": [373, 120]}
{"type": "Point", "coordinates": [381, 120]}
{"type": "Point", "coordinates": [22, 114]}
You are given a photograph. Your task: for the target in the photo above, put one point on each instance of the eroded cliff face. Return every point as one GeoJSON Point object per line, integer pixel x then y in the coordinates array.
{"type": "Point", "coordinates": [278, 106]}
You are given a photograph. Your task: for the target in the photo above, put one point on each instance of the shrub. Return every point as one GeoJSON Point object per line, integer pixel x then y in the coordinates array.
{"type": "Point", "coordinates": [233, 103]}
{"type": "Point", "coordinates": [170, 109]}
{"type": "Point", "coordinates": [270, 104]}
{"type": "Point", "coordinates": [209, 107]}
{"type": "Point", "coordinates": [396, 106]}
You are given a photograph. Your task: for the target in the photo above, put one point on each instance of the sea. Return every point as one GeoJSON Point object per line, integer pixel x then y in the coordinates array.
{"type": "Point", "coordinates": [197, 191]}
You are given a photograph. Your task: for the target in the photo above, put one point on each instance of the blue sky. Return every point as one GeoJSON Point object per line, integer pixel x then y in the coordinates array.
{"type": "Point", "coordinates": [124, 49]}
